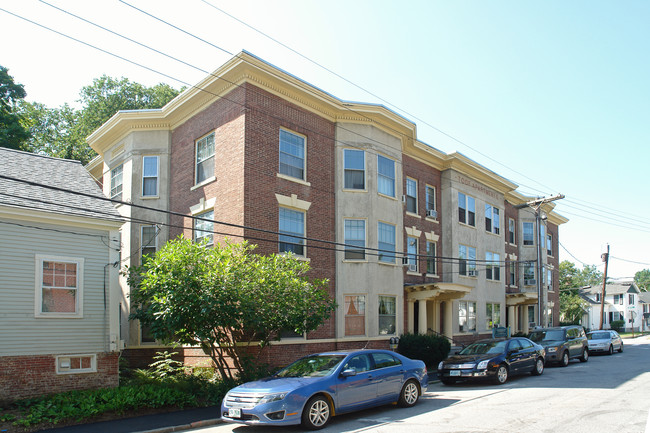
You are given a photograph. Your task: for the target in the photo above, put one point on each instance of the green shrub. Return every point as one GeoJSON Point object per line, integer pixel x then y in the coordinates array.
{"type": "Point", "coordinates": [429, 348]}
{"type": "Point", "coordinates": [520, 334]}
{"type": "Point", "coordinates": [618, 325]}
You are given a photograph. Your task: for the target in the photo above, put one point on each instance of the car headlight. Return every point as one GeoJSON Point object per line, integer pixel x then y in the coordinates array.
{"type": "Point", "coordinates": [552, 349]}
{"type": "Point", "coordinates": [483, 364]}
{"type": "Point", "coordinates": [269, 398]}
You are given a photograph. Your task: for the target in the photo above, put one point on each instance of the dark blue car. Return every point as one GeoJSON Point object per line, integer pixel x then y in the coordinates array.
{"type": "Point", "coordinates": [317, 387]}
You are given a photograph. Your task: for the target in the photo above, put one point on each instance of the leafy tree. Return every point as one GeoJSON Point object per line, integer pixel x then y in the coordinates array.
{"type": "Point", "coordinates": [13, 133]}
{"type": "Point", "coordinates": [571, 277]}
{"type": "Point", "coordinates": [225, 299]}
{"type": "Point", "coordinates": [642, 279]}
{"type": "Point", "coordinates": [572, 307]}
{"type": "Point", "coordinates": [62, 131]}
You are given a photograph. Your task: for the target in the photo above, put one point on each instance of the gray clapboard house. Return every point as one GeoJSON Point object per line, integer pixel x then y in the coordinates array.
{"type": "Point", "coordinates": [59, 291]}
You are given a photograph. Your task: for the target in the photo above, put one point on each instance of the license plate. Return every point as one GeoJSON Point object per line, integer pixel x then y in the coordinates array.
{"type": "Point", "coordinates": [234, 412]}
{"type": "Point", "coordinates": [454, 372]}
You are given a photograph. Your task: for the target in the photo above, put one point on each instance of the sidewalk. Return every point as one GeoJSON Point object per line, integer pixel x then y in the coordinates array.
{"type": "Point", "coordinates": [158, 423]}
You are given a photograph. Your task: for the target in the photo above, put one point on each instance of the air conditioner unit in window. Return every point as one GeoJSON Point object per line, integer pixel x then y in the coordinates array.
{"type": "Point", "coordinates": [471, 273]}
{"type": "Point", "coordinates": [432, 213]}
{"type": "Point", "coordinates": [403, 199]}
{"type": "Point", "coordinates": [531, 282]}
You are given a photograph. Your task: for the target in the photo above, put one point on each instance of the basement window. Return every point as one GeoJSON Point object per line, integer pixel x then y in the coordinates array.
{"type": "Point", "coordinates": [71, 364]}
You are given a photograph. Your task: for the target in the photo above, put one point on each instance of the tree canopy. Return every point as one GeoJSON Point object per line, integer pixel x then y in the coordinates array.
{"type": "Point", "coordinates": [572, 306]}
{"type": "Point", "coordinates": [225, 299]}
{"type": "Point", "coordinates": [62, 132]}
{"type": "Point", "coordinates": [13, 133]}
{"type": "Point", "coordinates": [642, 279]}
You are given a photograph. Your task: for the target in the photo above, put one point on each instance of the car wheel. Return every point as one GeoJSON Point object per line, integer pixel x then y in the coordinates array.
{"type": "Point", "coordinates": [610, 351]}
{"type": "Point", "coordinates": [409, 395]}
{"type": "Point", "coordinates": [501, 375]}
{"type": "Point", "coordinates": [448, 381]}
{"type": "Point", "coordinates": [564, 361]}
{"type": "Point", "coordinates": [317, 413]}
{"type": "Point", "coordinates": [539, 367]}
{"type": "Point", "coordinates": [585, 355]}
{"type": "Point", "coordinates": [620, 349]}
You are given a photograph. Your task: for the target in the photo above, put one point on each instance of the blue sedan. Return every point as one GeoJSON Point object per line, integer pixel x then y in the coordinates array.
{"type": "Point", "coordinates": [317, 387]}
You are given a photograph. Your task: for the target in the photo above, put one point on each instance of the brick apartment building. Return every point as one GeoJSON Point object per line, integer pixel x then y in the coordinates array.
{"type": "Point", "coordinates": [257, 148]}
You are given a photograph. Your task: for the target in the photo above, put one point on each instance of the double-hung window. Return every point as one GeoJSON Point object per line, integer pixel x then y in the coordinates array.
{"type": "Point", "coordinates": [511, 231]}
{"type": "Point", "coordinates": [204, 227]}
{"type": "Point", "coordinates": [512, 280]}
{"type": "Point", "coordinates": [385, 176]}
{"type": "Point", "coordinates": [529, 274]}
{"type": "Point", "coordinates": [387, 315]}
{"type": "Point", "coordinates": [148, 240]}
{"type": "Point", "coordinates": [529, 235]}
{"type": "Point", "coordinates": [355, 315]}
{"type": "Point", "coordinates": [467, 261]}
{"type": "Point", "coordinates": [149, 176]}
{"type": "Point", "coordinates": [386, 245]}
{"type": "Point", "coordinates": [430, 198]}
{"type": "Point", "coordinates": [116, 183]}
{"type": "Point", "coordinates": [431, 258]}
{"type": "Point", "coordinates": [618, 299]}
{"type": "Point", "coordinates": [492, 315]}
{"type": "Point", "coordinates": [355, 239]}
{"type": "Point", "coordinates": [411, 195]}
{"type": "Point", "coordinates": [549, 279]}
{"type": "Point", "coordinates": [292, 231]}
{"type": "Point", "coordinates": [292, 154]}
{"type": "Point", "coordinates": [205, 158]}
{"type": "Point", "coordinates": [354, 162]}
{"type": "Point", "coordinates": [492, 223]}
{"type": "Point", "coordinates": [549, 244]}
{"type": "Point", "coordinates": [466, 316]}
{"type": "Point", "coordinates": [466, 209]}
{"type": "Point", "coordinates": [412, 253]}
{"type": "Point", "coordinates": [630, 298]}
{"type": "Point", "coordinates": [492, 266]}
{"type": "Point", "coordinates": [59, 286]}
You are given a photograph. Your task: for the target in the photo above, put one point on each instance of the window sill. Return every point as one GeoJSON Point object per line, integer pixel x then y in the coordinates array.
{"type": "Point", "coordinates": [432, 275]}
{"type": "Point", "coordinates": [205, 182]}
{"type": "Point", "coordinates": [293, 179]}
{"type": "Point", "coordinates": [472, 277]}
{"type": "Point", "coordinates": [433, 220]}
{"type": "Point", "coordinates": [354, 190]}
{"type": "Point", "coordinates": [386, 196]}
{"type": "Point", "coordinates": [57, 316]}
{"type": "Point", "coordinates": [388, 263]}
{"type": "Point", "coordinates": [414, 215]}
{"type": "Point", "coordinates": [297, 257]}
{"type": "Point", "coordinates": [415, 274]}
{"type": "Point", "coordinates": [150, 197]}
{"type": "Point", "coordinates": [355, 261]}
{"type": "Point", "coordinates": [466, 225]}
{"type": "Point", "coordinates": [493, 234]}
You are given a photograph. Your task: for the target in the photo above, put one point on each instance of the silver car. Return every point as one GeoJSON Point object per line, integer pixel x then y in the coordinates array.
{"type": "Point", "coordinates": [605, 341]}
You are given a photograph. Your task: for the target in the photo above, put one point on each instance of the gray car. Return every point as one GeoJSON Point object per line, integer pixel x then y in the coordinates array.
{"type": "Point", "coordinates": [605, 341]}
{"type": "Point", "coordinates": [562, 343]}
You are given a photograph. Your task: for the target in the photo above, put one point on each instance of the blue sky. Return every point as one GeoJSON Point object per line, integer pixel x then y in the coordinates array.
{"type": "Point", "coordinates": [552, 95]}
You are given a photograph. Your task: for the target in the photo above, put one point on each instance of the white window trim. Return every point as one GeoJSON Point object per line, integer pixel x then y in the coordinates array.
{"type": "Point", "coordinates": [38, 307]}
{"type": "Point", "coordinates": [92, 369]}
{"type": "Point", "coordinates": [395, 253]}
{"type": "Point", "coordinates": [157, 195]}
{"type": "Point", "coordinates": [365, 173]}
{"type": "Point", "coordinates": [394, 196]}
{"type": "Point", "coordinates": [397, 315]}
{"type": "Point", "coordinates": [435, 207]}
{"type": "Point", "coordinates": [435, 259]}
{"type": "Point", "coordinates": [155, 238]}
{"type": "Point", "coordinates": [365, 241]}
{"type": "Point", "coordinates": [417, 204]}
{"type": "Point", "coordinates": [121, 184]}
{"type": "Point", "coordinates": [514, 233]}
{"type": "Point", "coordinates": [302, 237]}
{"type": "Point", "coordinates": [417, 255]}
{"type": "Point", "coordinates": [492, 220]}
{"type": "Point", "coordinates": [196, 164]}
{"type": "Point", "coordinates": [365, 315]}
{"type": "Point", "coordinates": [304, 161]}
{"type": "Point", "coordinates": [523, 235]}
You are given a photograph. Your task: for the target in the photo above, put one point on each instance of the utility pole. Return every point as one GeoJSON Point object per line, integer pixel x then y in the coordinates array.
{"type": "Point", "coordinates": [605, 257]}
{"type": "Point", "coordinates": [536, 206]}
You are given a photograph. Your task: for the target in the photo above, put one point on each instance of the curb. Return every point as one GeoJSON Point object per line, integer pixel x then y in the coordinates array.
{"type": "Point", "coordinates": [195, 424]}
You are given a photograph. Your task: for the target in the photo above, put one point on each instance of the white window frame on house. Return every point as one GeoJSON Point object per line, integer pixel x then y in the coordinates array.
{"type": "Point", "coordinates": [292, 150]}
{"type": "Point", "coordinates": [528, 235]}
{"type": "Point", "coordinates": [549, 280]}
{"type": "Point", "coordinates": [432, 264]}
{"type": "Point", "coordinates": [412, 253]}
{"type": "Point", "coordinates": [512, 277]}
{"type": "Point", "coordinates": [149, 177]}
{"type": "Point", "coordinates": [288, 237]}
{"type": "Point", "coordinates": [630, 298]}
{"type": "Point", "coordinates": [384, 243]}
{"type": "Point", "coordinates": [358, 303]}
{"type": "Point", "coordinates": [466, 261]}
{"type": "Point", "coordinates": [512, 226]}
{"type": "Point", "coordinates": [385, 176]}
{"type": "Point", "coordinates": [354, 237]}
{"type": "Point", "coordinates": [430, 200]}
{"type": "Point", "coordinates": [117, 182]}
{"type": "Point", "coordinates": [492, 219]}
{"type": "Point", "coordinates": [492, 315]}
{"type": "Point", "coordinates": [529, 271]}
{"type": "Point", "coordinates": [145, 242]}
{"type": "Point", "coordinates": [204, 229]}
{"type": "Point", "coordinates": [618, 299]}
{"type": "Point", "coordinates": [492, 266]}
{"type": "Point", "coordinates": [549, 245]}
{"type": "Point", "coordinates": [351, 170]}
{"type": "Point", "coordinates": [411, 194]}
{"type": "Point", "coordinates": [466, 209]}
{"type": "Point", "coordinates": [78, 287]}
{"type": "Point", "coordinates": [204, 158]}
{"type": "Point", "coordinates": [74, 364]}
{"type": "Point", "coordinates": [466, 316]}
{"type": "Point", "coordinates": [384, 311]}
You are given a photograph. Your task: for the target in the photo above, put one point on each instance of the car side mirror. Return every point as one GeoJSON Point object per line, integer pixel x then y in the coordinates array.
{"type": "Point", "coordinates": [349, 372]}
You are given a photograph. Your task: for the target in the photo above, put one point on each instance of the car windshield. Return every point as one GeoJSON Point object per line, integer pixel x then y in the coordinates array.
{"type": "Point", "coordinates": [311, 366]}
{"type": "Point", "coordinates": [598, 336]}
{"type": "Point", "coordinates": [551, 335]}
{"type": "Point", "coordinates": [483, 347]}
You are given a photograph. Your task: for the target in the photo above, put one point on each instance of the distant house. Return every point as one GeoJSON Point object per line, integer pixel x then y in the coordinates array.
{"type": "Point", "coordinates": [622, 302]}
{"type": "Point", "coordinates": [59, 292]}
{"type": "Point", "coordinates": [644, 299]}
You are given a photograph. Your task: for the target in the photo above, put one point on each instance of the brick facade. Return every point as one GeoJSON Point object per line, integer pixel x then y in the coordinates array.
{"type": "Point", "coordinates": [35, 375]}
